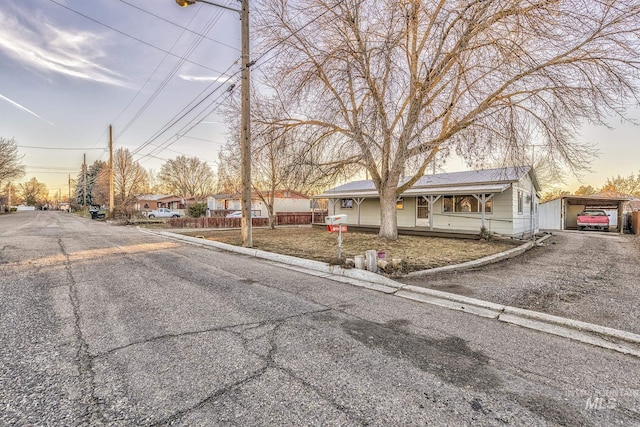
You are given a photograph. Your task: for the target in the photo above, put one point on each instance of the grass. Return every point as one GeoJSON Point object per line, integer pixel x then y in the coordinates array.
{"type": "Point", "coordinates": [417, 253]}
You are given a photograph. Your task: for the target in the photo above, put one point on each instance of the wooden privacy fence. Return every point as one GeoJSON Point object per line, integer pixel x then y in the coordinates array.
{"type": "Point", "coordinates": [284, 218]}
{"type": "Point", "coordinates": [635, 222]}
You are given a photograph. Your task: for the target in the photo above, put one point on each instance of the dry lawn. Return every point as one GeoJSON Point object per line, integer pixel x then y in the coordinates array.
{"type": "Point", "coordinates": [315, 243]}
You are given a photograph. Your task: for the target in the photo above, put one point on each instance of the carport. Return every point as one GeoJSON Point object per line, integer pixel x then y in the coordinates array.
{"type": "Point", "coordinates": [562, 213]}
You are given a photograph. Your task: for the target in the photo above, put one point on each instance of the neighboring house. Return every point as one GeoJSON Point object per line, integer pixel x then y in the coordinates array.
{"type": "Point", "coordinates": [284, 201]}
{"type": "Point", "coordinates": [219, 202]}
{"type": "Point", "coordinates": [149, 202]}
{"type": "Point", "coordinates": [504, 201]}
{"type": "Point", "coordinates": [562, 213]}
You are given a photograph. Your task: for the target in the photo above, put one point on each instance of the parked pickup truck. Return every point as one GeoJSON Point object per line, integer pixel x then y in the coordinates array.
{"type": "Point", "coordinates": [593, 218]}
{"type": "Point", "coordinates": [163, 213]}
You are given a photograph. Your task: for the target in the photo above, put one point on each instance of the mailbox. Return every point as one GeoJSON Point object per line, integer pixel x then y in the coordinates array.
{"type": "Point", "coordinates": [335, 219]}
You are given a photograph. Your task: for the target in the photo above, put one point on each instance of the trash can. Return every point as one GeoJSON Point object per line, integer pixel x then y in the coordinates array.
{"type": "Point", "coordinates": [94, 214]}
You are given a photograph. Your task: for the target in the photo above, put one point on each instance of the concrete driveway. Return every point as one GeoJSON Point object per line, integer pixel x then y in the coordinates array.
{"type": "Point", "coordinates": [588, 276]}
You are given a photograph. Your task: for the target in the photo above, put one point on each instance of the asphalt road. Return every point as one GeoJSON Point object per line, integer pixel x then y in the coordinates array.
{"type": "Point", "coordinates": [106, 325]}
{"type": "Point", "coordinates": [590, 276]}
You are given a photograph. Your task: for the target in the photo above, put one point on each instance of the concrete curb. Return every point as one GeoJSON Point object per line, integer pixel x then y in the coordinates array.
{"type": "Point", "coordinates": [601, 336]}
{"type": "Point", "coordinates": [481, 261]}
{"type": "Point", "coordinates": [319, 266]}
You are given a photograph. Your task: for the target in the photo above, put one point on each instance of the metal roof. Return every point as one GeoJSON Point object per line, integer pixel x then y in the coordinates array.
{"type": "Point", "coordinates": [481, 181]}
{"type": "Point", "coordinates": [448, 190]}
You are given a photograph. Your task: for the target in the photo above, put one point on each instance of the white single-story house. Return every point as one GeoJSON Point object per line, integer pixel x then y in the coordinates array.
{"type": "Point", "coordinates": [284, 201]}
{"type": "Point", "coordinates": [504, 201]}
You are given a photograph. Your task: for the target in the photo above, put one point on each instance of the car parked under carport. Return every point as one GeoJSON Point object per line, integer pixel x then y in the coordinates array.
{"type": "Point", "coordinates": [562, 213]}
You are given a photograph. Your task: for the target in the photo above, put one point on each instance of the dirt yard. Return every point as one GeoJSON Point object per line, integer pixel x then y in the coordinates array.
{"type": "Point", "coordinates": [315, 243]}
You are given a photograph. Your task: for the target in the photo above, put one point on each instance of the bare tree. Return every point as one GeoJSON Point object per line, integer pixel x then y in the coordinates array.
{"type": "Point", "coordinates": [286, 158]}
{"type": "Point", "coordinates": [187, 177]}
{"type": "Point", "coordinates": [283, 158]}
{"type": "Point", "coordinates": [129, 179]}
{"type": "Point", "coordinates": [556, 193]}
{"type": "Point", "coordinates": [628, 186]}
{"type": "Point", "coordinates": [34, 193]}
{"type": "Point", "coordinates": [399, 82]}
{"type": "Point", "coordinates": [585, 190]}
{"type": "Point", "coordinates": [10, 166]}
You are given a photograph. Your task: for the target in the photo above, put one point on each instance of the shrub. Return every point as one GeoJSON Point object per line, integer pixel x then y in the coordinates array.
{"type": "Point", "coordinates": [197, 210]}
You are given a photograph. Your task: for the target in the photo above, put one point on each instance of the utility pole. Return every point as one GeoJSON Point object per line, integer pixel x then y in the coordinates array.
{"type": "Point", "coordinates": [69, 198]}
{"type": "Point", "coordinates": [245, 130]}
{"type": "Point", "coordinates": [111, 206]}
{"type": "Point", "coordinates": [84, 178]}
{"type": "Point", "coordinates": [245, 125]}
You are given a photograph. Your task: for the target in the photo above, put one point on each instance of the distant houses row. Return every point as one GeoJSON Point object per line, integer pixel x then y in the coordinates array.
{"type": "Point", "coordinates": [284, 201]}
{"type": "Point", "coordinates": [503, 201]}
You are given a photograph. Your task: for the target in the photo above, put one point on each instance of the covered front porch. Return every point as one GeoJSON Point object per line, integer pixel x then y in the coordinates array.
{"type": "Point", "coordinates": [412, 231]}
{"type": "Point", "coordinates": [421, 210]}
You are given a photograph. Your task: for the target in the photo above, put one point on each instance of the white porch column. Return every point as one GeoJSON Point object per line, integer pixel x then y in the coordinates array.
{"type": "Point", "coordinates": [483, 199]}
{"type": "Point", "coordinates": [334, 202]}
{"type": "Point", "coordinates": [431, 200]}
{"type": "Point", "coordinates": [359, 201]}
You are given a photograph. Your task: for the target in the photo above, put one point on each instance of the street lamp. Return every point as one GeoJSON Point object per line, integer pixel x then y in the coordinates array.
{"type": "Point", "coordinates": [245, 125]}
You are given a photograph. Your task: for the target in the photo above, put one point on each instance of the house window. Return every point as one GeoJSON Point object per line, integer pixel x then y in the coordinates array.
{"type": "Point", "coordinates": [464, 204]}
{"type": "Point", "coordinates": [423, 208]}
{"type": "Point", "coordinates": [447, 204]}
{"type": "Point", "coordinates": [488, 206]}
{"type": "Point", "coordinates": [520, 202]}
{"type": "Point", "coordinates": [346, 203]}
{"type": "Point", "coordinates": [400, 203]}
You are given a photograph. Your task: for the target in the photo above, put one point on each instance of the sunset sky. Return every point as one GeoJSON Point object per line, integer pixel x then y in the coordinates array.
{"type": "Point", "coordinates": [70, 68]}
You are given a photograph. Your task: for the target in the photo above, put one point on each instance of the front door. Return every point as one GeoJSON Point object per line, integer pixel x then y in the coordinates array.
{"type": "Point", "coordinates": [422, 212]}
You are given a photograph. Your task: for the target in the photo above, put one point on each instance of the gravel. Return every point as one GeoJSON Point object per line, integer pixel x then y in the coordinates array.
{"type": "Point", "coordinates": [588, 276]}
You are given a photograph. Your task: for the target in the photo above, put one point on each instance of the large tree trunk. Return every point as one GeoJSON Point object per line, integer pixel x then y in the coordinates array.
{"type": "Point", "coordinates": [271, 207]}
{"type": "Point", "coordinates": [272, 217]}
{"type": "Point", "coordinates": [388, 215]}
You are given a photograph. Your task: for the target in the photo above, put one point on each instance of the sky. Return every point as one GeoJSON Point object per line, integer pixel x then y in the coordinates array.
{"type": "Point", "coordinates": [71, 68]}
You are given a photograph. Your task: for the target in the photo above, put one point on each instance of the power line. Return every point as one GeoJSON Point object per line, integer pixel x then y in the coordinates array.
{"type": "Point", "coordinates": [130, 36]}
{"type": "Point", "coordinates": [59, 148]}
{"type": "Point", "coordinates": [172, 122]}
{"type": "Point", "coordinates": [179, 26]}
{"type": "Point", "coordinates": [183, 113]}
{"type": "Point", "coordinates": [168, 78]}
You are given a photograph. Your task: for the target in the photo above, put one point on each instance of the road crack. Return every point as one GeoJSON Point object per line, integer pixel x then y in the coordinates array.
{"type": "Point", "coordinates": [91, 413]}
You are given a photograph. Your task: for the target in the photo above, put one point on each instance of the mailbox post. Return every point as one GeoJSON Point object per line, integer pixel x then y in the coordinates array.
{"type": "Point", "coordinates": [335, 223]}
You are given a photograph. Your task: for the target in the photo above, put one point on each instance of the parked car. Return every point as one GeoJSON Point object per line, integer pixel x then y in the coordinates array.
{"type": "Point", "coordinates": [163, 213]}
{"type": "Point", "coordinates": [238, 214]}
{"type": "Point", "coordinates": [596, 219]}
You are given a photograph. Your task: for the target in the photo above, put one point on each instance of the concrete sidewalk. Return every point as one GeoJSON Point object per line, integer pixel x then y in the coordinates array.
{"type": "Point", "coordinates": [614, 339]}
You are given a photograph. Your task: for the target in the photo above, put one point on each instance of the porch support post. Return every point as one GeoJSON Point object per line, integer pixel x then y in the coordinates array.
{"type": "Point", "coordinates": [431, 200]}
{"type": "Point", "coordinates": [334, 202]}
{"type": "Point", "coordinates": [359, 201]}
{"type": "Point", "coordinates": [483, 199]}
{"type": "Point", "coordinates": [620, 217]}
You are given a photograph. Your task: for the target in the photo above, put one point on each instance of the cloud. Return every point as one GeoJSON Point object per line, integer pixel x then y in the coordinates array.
{"type": "Point", "coordinates": [40, 45]}
{"type": "Point", "coordinates": [23, 108]}
{"type": "Point", "coordinates": [188, 78]}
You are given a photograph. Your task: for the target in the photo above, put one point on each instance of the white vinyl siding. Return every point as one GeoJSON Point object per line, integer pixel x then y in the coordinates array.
{"type": "Point", "coordinates": [502, 218]}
